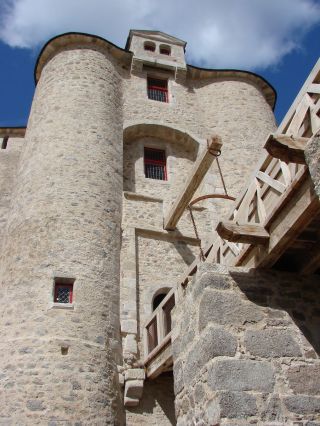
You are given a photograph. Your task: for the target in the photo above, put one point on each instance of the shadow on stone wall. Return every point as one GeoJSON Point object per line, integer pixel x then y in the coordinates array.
{"type": "Point", "coordinates": [157, 404]}
{"type": "Point", "coordinates": [298, 296]}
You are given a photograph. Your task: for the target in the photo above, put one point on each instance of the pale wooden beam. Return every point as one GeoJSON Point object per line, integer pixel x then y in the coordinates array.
{"type": "Point", "coordinates": [248, 233]}
{"type": "Point", "coordinates": [287, 148]}
{"type": "Point", "coordinates": [290, 217]}
{"type": "Point", "coordinates": [197, 174]}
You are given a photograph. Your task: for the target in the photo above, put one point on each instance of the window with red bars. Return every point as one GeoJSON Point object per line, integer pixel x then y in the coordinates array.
{"type": "Point", "coordinates": [148, 45]}
{"type": "Point", "coordinates": [158, 90]}
{"type": "Point", "coordinates": [63, 290]}
{"type": "Point", "coordinates": [165, 50]}
{"type": "Point", "coordinates": [155, 164]}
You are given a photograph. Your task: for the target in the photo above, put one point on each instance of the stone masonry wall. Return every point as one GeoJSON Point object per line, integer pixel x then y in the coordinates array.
{"type": "Point", "coordinates": [9, 159]}
{"type": "Point", "coordinates": [234, 109]}
{"type": "Point", "coordinates": [238, 112]}
{"type": "Point", "coordinates": [58, 363]}
{"type": "Point", "coordinates": [246, 349]}
{"type": "Point", "coordinates": [201, 108]}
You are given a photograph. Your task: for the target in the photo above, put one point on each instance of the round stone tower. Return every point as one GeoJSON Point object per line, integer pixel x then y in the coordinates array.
{"type": "Point", "coordinates": [63, 234]}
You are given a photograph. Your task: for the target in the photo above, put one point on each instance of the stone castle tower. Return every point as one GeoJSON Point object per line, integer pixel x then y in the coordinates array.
{"type": "Point", "coordinates": [112, 136]}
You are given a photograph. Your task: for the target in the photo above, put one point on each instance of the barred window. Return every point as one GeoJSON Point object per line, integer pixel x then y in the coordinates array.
{"type": "Point", "coordinates": [158, 90]}
{"type": "Point", "coordinates": [155, 164]}
{"type": "Point", "coordinates": [63, 290]}
{"type": "Point", "coordinates": [165, 50]}
{"type": "Point", "coordinates": [150, 46]}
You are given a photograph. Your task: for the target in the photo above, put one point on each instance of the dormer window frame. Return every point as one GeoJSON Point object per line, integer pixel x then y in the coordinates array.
{"type": "Point", "coordinates": [149, 46]}
{"type": "Point", "coordinates": [165, 49]}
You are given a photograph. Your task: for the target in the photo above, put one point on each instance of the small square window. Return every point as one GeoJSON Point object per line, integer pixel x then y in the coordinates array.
{"type": "Point", "coordinates": [63, 290]}
{"type": "Point", "coordinates": [158, 90]}
{"type": "Point", "coordinates": [155, 164]}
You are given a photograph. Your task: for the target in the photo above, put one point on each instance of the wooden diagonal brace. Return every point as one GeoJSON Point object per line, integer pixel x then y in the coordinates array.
{"type": "Point", "coordinates": [247, 233]}
{"type": "Point", "coordinates": [286, 148]}
{"type": "Point", "coordinates": [197, 174]}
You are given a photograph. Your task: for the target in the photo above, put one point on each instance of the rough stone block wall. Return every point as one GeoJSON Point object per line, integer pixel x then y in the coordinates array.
{"type": "Point", "coordinates": [246, 348]}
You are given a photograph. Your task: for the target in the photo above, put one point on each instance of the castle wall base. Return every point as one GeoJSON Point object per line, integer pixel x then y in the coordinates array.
{"type": "Point", "coordinates": [246, 348]}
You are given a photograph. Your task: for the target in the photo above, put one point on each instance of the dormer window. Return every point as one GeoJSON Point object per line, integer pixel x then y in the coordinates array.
{"type": "Point", "coordinates": [158, 89]}
{"type": "Point", "coordinates": [165, 50]}
{"type": "Point", "coordinates": [150, 46]}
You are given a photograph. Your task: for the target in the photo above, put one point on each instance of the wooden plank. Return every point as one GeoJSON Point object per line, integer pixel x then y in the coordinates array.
{"type": "Point", "coordinates": [199, 170]}
{"type": "Point", "coordinates": [286, 173]}
{"type": "Point", "coordinates": [315, 120]}
{"type": "Point", "coordinates": [300, 115]}
{"type": "Point", "coordinates": [247, 233]}
{"type": "Point", "coordinates": [165, 342]}
{"type": "Point", "coordinates": [284, 199]}
{"type": "Point", "coordinates": [233, 247]}
{"type": "Point", "coordinates": [312, 78]}
{"type": "Point", "coordinates": [160, 359]}
{"type": "Point", "coordinates": [314, 88]}
{"type": "Point", "coordinates": [286, 148]}
{"type": "Point", "coordinates": [275, 184]}
{"type": "Point", "coordinates": [289, 223]}
{"type": "Point", "coordinates": [12, 132]}
{"type": "Point", "coordinates": [260, 205]}
{"type": "Point", "coordinates": [244, 205]}
{"type": "Point", "coordinates": [221, 248]}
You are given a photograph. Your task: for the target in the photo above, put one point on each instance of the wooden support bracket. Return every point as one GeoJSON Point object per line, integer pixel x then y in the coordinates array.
{"type": "Point", "coordinates": [197, 174]}
{"type": "Point", "coordinates": [247, 233]}
{"type": "Point", "coordinates": [287, 148]}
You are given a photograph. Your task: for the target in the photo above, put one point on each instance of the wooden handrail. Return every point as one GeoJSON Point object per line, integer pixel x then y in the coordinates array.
{"type": "Point", "coordinates": [158, 316]}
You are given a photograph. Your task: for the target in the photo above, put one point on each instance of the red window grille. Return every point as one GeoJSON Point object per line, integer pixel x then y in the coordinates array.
{"type": "Point", "coordinates": [63, 292]}
{"type": "Point", "coordinates": [155, 164]}
{"type": "Point", "coordinates": [165, 51]}
{"type": "Point", "coordinates": [158, 90]}
{"type": "Point", "coordinates": [150, 47]}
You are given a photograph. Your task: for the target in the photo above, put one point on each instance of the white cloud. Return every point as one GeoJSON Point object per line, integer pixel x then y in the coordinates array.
{"type": "Point", "coordinates": [220, 33]}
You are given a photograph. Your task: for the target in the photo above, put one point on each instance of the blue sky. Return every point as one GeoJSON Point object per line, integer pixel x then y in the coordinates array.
{"type": "Point", "coordinates": [278, 39]}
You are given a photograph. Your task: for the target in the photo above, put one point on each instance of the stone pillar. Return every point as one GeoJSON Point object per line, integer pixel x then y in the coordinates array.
{"type": "Point", "coordinates": [246, 348]}
{"type": "Point", "coordinates": [58, 363]}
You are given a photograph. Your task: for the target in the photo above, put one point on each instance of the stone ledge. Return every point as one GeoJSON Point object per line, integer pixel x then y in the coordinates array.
{"type": "Point", "coordinates": [135, 374]}
{"type": "Point", "coordinates": [67, 306]}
